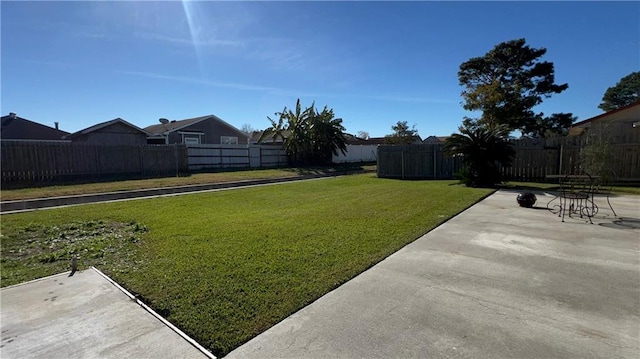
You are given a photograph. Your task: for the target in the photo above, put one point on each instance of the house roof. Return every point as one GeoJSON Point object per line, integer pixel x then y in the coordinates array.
{"type": "Point", "coordinates": [255, 137]}
{"type": "Point", "coordinates": [606, 114]}
{"type": "Point", "coordinates": [436, 139]}
{"type": "Point", "coordinates": [174, 125]}
{"type": "Point", "coordinates": [355, 140]}
{"type": "Point", "coordinates": [103, 125]}
{"type": "Point", "coordinates": [376, 141]}
{"type": "Point", "coordinates": [631, 115]}
{"type": "Point", "coordinates": [17, 128]}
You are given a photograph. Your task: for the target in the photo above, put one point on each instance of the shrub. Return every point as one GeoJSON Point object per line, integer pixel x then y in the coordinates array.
{"type": "Point", "coordinates": [484, 149]}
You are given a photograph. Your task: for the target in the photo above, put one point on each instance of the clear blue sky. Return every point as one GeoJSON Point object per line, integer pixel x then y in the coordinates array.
{"type": "Point", "coordinates": [374, 63]}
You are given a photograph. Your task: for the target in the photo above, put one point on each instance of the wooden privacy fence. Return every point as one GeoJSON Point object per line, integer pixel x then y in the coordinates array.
{"type": "Point", "coordinates": [416, 161]}
{"type": "Point", "coordinates": [534, 160]}
{"type": "Point", "coordinates": [210, 156]}
{"type": "Point", "coordinates": [33, 161]}
{"type": "Point", "coordinates": [537, 158]}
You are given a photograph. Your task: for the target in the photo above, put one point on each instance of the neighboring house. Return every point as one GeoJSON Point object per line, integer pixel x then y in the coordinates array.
{"type": "Point", "coordinates": [200, 130]}
{"type": "Point", "coordinates": [621, 123]}
{"type": "Point", "coordinates": [115, 132]}
{"type": "Point", "coordinates": [18, 128]}
{"type": "Point", "coordinates": [269, 140]}
{"type": "Point", "coordinates": [376, 140]}
{"type": "Point", "coordinates": [371, 141]}
{"type": "Point", "coordinates": [435, 139]}
{"type": "Point", "coordinates": [415, 140]}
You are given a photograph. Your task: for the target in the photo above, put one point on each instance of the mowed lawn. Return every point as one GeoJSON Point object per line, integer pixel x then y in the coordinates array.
{"type": "Point", "coordinates": [225, 266]}
{"type": "Point", "coordinates": [192, 179]}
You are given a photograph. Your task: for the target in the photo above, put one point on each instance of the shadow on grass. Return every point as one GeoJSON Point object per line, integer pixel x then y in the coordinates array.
{"type": "Point", "coordinates": [347, 168]}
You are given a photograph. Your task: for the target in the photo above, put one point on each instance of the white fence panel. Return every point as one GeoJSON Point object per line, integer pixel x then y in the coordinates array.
{"type": "Point", "coordinates": [205, 152]}
{"type": "Point", "coordinates": [357, 153]}
{"type": "Point", "coordinates": [209, 156]}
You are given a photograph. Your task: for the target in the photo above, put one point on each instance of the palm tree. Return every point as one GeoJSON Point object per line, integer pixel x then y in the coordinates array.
{"type": "Point", "coordinates": [290, 128]}
{"type": "Point", "coordinates": [483, 149]}
{"type": "Point", "coordinates": [308, 137]}
{"type": "Point", "coordinates": [327, 136]}
{"type": "Point", "coordinates": [277, 129]}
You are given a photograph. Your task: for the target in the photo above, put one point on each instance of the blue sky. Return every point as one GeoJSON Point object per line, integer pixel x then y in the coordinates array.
{"type": "Point", "coordinates": [374, 63]}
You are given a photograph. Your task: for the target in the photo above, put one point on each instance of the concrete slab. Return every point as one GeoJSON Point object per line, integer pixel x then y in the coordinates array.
{"type": "Point", "coordinates": [497, 281]}
{"type": "Point", "coordinates": [82, 316]}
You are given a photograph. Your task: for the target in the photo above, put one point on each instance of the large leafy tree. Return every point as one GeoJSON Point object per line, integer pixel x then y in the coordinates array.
{"type": "Point", "coordinates": [507, 83]}
{"type": "Point", "coordinates": [625, 92]}
{"type": "Point", "coordinates": [309, 137]}
{"type": "Point", "coordinates": [402, 134]}
{"type": "Point", "coordinates": [483, 150]}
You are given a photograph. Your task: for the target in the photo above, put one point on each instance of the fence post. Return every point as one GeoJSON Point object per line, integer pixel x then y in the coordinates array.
{"type": "Point", "coordinates": [141, 154]}
{"type": "Point", "coordinates": [560, 165]}
{"type": "Point", "coordinates": [37, 171]}
{"type": "Point", "coordinates": [97, 157]}
{"type": "Point", "coordinates": [402, 160]}
{"type": "Point", "coordinates": [435, 174]}
{"type": "Point", "coordinates": [175, 152]}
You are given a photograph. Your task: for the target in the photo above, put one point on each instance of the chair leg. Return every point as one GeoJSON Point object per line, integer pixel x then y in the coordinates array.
{"type": "Point", "coordinates": [580, 206]}
{"type": "Point", "coordinates": [609, 203]}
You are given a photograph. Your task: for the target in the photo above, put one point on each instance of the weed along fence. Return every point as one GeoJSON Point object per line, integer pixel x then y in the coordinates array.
{"type": "Point", "coordinates": [27, 162]}
{"type": "Point", "coordinates": [206, 156]}
{"type": "Point", "coordinates": [424, 161]}
{"type": "Point", "coordinates": [534, 160]}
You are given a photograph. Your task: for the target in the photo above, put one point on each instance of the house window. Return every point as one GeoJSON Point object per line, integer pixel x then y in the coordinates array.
{"type": "Point", "coordinates": [191, 140]}
{"type": "Point", "coordinates": [228, 140]}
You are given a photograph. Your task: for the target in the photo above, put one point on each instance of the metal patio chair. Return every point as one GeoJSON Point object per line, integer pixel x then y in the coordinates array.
{"type": "Point", "coordinates": [576, 197]}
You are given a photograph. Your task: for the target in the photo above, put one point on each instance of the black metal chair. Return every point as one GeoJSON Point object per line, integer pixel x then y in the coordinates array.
{"type": "Point", "coordinates": [576, 197]}
{"type": "Point", "coordinates": [603, 185]}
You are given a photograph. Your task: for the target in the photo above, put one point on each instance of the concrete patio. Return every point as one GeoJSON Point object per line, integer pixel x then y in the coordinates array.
{"type": "Point", "coordinates": [497, 281]}
{"type": "Point", "coordinates": [83, 316]}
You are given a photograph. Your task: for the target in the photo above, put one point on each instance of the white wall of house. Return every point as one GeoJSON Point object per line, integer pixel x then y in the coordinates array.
{"type": "Point", "coordinates": [357, 153]}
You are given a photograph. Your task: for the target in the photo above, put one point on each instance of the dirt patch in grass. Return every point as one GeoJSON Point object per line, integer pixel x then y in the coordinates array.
{"type": "Point", "coordinates": [38, 250]}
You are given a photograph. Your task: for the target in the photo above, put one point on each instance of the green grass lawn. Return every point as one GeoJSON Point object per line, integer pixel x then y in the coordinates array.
{"type": "Point", "coordinates": [225, 175]}
{"type": "Point", "coordinates": [225, 266]}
